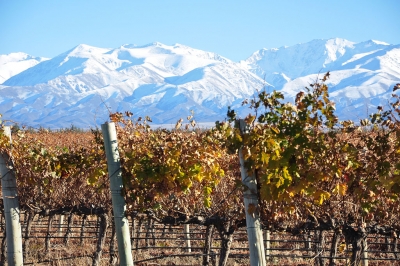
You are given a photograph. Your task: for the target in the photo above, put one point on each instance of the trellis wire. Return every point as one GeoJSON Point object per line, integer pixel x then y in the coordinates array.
{"type": "Point", "coordinates": [281, 245]}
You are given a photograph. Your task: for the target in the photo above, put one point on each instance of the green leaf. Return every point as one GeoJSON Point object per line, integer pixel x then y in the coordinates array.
{"type": "Point", "coordinates": [207, 191]}
{"type": "Point", "coordinates": [207, 202]}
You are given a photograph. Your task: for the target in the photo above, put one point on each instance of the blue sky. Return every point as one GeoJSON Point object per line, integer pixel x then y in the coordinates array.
{"type": "Point", "coordinates": [234, 29]}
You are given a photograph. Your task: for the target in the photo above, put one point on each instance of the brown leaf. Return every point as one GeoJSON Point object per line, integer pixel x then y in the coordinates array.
{"type": "Point", "coordinates": [251, 209]}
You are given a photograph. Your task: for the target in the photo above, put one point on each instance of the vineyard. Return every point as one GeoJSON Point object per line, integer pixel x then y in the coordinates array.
{"type": "Point", "coordinates": [326, 190]}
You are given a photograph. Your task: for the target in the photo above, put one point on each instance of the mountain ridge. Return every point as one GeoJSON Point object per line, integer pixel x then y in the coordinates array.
{"type": "Point", "coordinates": [167, 81]}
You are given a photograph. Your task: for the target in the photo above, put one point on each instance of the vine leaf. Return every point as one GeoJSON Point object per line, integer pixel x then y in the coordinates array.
{"type": "Point", "coordinates": [251, 209]}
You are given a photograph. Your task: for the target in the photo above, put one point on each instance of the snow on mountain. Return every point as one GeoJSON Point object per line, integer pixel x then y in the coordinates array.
{"type": "Point", "coordinates": [362, 75]}
{"type": "Point", "coordinates": [14, 63]}
{"type": "Point", "coordinates": [309, 58]}
{"type": "Point", "coordinates": [83, 84]}
{"type": "Point", "coordinates": [165, 82]}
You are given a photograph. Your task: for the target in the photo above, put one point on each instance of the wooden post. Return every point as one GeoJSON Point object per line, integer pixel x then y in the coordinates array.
{"type": "Point", "coordinates": [11, 207]}
{"type": "Point", "coordinates": [186, 231]}
{"type": "Point", "coordinates": [114, 171]}
{"type": "Point", "coordinates": [256, 244]}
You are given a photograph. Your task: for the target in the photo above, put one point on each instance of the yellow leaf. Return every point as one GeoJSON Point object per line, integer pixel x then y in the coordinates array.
{"type": "Point", "coordinates": [264, 158]}
{"type": "Point", "coordinates": [280, 182]}
{"type": "Point", "coordinates": [246, 152]}
{"type": "Point", "coordinates": [198, 177]}
{"type": "Point", "coordinates": [321, 196]}
{"type": "Point", "coordinates": [286, 174]}
{"type": "Point", "coordinates": [207, 202]}
{"type": "Point", "coordinates": [275, 129]}
{"type": "Point", "coordinates": [349, 165]}
{"type": "Point", "coordinates": [338, 174]}
{"type": "Point", "coordinates": [207, 190]}
{"type": "Point", "coordinates": [342, 247]}
{"type": "Point", "coordinates": [340, 189]}
{"type": "Point", "coordinates": [249, 119]}
{"type": "Point", "coordinates": [221, 172]}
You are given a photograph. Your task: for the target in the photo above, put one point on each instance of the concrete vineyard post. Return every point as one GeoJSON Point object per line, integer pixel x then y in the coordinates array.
{"type": "Point", "coordinates": [186, 231]}
{"type": "Point", "coordinates": [254, 232]}
{"type": "Point", "coordinates": [364, 254]}
{"type": "Point", "coordinates": [11, 208]}
{"type": "Point", "coordinates": [267, 244]}
{"type": "Point", "coordinates": [60, 225]}
{"type": "Point", "coordinates": [118, 202]}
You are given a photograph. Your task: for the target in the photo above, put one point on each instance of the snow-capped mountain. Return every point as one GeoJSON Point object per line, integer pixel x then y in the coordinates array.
{"type": "Point", "coordinates": [14, 63]}
{"type": "Point", "coordinates": [362, 74]}
{"type": "Point", "coordinates": [83, 84]}
{"type": "Point", "coordinates": [312, 57]}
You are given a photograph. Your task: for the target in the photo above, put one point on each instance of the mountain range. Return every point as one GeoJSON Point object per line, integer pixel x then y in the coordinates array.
{"type": "Point", "coordinates": [82, 86]}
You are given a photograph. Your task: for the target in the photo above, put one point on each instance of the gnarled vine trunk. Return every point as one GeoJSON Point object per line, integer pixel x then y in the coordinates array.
{"type": "Point", "coordinates": [207, 245]}
{"type": "Point", "coordinates": [48, 235]}
{"type": "Point", "coordinates": [334, 246]}
{"type": "Point", "coordinates": [69, 231]}
{"type": "Point", "coordinates": [31, 216]}
{"type": "Point", "coordinates": [101, 240]}
{"type": "Point", "coordinates": [356, 237]}
{"type": "Point", "coordinates": [226, 234]}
